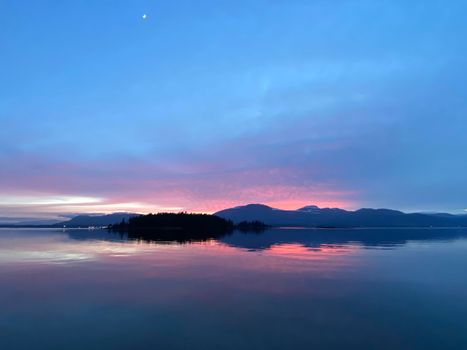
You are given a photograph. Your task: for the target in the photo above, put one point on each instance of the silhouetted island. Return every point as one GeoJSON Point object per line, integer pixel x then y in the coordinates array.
{"type": "Point", "coordinates": [174, 222]}
{"type": "Point", "coordinates": [181, 226]}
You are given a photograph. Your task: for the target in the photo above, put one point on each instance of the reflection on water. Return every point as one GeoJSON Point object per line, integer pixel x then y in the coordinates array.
{"type": "Point", "coordinates": [369, 238]}
{"type": "Point", "coordinates": [280, 289]}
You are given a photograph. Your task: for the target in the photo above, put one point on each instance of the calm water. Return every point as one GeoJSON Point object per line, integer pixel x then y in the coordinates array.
{"type": "Point", "coordinates": [281, 289]}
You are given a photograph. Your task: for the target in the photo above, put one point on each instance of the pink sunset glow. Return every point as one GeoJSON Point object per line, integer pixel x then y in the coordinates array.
{"type": "Point", "coordinates": [54, 187]}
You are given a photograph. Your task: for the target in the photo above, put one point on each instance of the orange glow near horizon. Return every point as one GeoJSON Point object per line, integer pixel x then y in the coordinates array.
{"type": "Point", "coordinates": [169, 200]}
{"type": "Point", "coordinates": [108, 207]}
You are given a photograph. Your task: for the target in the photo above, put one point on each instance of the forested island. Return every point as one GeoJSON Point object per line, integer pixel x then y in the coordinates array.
{"type": "Point", "coordinates": [181, 226]}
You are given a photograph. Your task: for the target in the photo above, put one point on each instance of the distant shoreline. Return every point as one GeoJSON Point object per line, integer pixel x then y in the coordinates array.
{"type": "Point", "coordinates": [280, 227]}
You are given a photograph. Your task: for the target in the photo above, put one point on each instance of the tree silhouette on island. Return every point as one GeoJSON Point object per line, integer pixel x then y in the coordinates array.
{"type": "Point", "coordinates": [181, 226]}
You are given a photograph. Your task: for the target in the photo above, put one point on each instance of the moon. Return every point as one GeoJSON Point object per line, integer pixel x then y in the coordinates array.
{"type": "Point", "coordinates": [144, 16]}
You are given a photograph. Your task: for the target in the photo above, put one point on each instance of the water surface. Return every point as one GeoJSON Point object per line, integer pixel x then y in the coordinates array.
{"type": "Point", "coordinates": [280, 289]}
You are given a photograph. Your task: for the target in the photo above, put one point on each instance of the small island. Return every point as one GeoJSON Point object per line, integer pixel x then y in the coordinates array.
{"type": "Point", "coordinates": [181, 226]}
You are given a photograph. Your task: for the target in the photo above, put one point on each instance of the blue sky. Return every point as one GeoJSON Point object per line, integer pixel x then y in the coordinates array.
{"type": "Point", "coordinates": [209, 104]}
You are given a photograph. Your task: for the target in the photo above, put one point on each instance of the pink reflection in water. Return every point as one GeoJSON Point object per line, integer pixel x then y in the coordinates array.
{"type": "Point", "coordinates": [49, 264]}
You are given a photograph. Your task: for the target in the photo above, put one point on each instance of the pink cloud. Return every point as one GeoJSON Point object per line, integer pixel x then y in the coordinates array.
{"type": "Point", "coordinates": [140, 185]}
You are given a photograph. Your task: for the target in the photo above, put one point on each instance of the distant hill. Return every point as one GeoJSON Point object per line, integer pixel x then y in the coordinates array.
{"type": "Point", "coordinates": [313, 216]}
{"type": "Point", "coordinates": [96, 220]}
{"type": "Point", "coordinates": [12, 222]}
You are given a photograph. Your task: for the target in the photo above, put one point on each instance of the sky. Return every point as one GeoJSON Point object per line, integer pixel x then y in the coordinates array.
{"type": "Point", "coordinates": [149, 106]}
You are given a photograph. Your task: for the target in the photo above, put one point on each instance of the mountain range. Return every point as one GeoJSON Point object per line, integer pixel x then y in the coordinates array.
{"type": "Point", "coordinates": [97, 220]}
{"type": "Point", "coordinates": [308, 216]}
{"type": "Point", "coordinates": [313, 216]}
{"type": "Point", "coordinates": [75, 222]}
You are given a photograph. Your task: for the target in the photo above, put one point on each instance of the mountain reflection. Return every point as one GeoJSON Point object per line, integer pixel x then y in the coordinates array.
{"type": "Point", "coordinates": [311, 239]}
{"type": "Point", "coordinates": [319, 238]}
